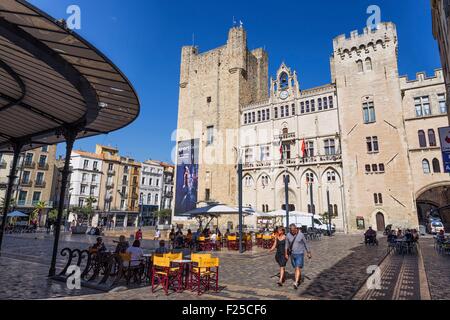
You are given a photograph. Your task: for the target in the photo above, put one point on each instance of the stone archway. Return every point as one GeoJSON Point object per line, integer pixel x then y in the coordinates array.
{"type": "Point", "coordinates": [381, 222]}
{"type": "Point", "coordinates": [434, 201]}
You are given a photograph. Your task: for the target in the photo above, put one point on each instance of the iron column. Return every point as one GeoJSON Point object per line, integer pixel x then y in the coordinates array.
{"type": "Point", "coordinates": [17, 146]}
{"type": "Point", "coordinates": [312, 202]}
{"type": "Point", "coordinates": [70, 134]}
{"type": "Point", "coordinates": [241, 249]}
{"type": "Point", "coordinates": [330, 209]}
{"type": "Point", "coordinates": [286, 196]}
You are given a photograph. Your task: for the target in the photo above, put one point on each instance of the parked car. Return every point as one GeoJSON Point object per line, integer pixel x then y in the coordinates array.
{"type": "Point", "coordinates": [435, 226]}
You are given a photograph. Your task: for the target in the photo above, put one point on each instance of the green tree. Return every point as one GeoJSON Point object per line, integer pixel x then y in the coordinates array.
{"type": "Point", "coordinates": [164, 214]}
{"type": "Point", "coordinates": [38, 208]}
{"type": "Point", "coordinates": [12, 204]}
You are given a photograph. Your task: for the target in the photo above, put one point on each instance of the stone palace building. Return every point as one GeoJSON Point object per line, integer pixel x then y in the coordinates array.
{"type": "Point", "coordinates": [368, 140]}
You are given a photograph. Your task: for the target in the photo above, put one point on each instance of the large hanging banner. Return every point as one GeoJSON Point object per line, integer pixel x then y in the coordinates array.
{"type": "Point", "coordinates": [444, 134]}
{"type": "Point", "coordinates": [187, 176]}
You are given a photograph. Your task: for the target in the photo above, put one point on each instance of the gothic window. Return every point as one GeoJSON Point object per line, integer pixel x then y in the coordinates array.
{"type": "Point", "coordinates": [442, 103]}
{"type": "Point", "coordinates": [330, 147]}
{"type": "Point", "coordinates": [310, 149]}
{"type": "Point", "coordinates": [265, 181]}
{"type": "Point", "coordinates": [372, 144]}
{"type": "Point", "coordinates": [426, 166]}
{"type": "Point", "coordinates": [302, 107]}
{"type": "Point", "coordinates": [253, 117]}
{"type": "Point", "coordinates": [245, 119]}
{"type": "Point", "coordinates": [360, 66]}
{"type": "Point", "coordinates": [263, 115]}
{"type": "Point", "coordinates": [309, 178]}
{"type": "Point", "coordinates": [319, 104]}
{"type": "Point", "coordinates": [369, 112]}
{"type": "Point", "coordinates": [436, 166]}
{"type": "Point", "coordinates": [331, 176]}
{"type": "Point", "coordinates": [369, 64]}
{"type": "Point", "coordinates": [422, 105]}
{"type": "Point", "coordinates": [378, 198]}
{"type": "Point", "coordinates": [313, 106]}
{"type": "Point", "coordinates": [293, 109]}
{"type": "Point", "coordinates": [286, 111]}
{"type": "Point", "coordinates": [330, 102]}
{"type": "Point", "coordinates": [282, 111]}
{"type": "Point", "coordinates": [307, 107]}
{"type": "Point", "coordinates": [422, 139]}
{"type": "Point", "coordinates": [268, 114]}
{"type": "Point", "coordinates": [381, 167]}
{"type": "Point", "coordinates": [325, 104]}
{"type": "Point", "coordinates": [432, 138]}
{"type": "Point", "coordinates": [259, 116]}
{"type": "Point", "coordinates": [284, 81]}
{"type": "Point", "coordinates": [276, 113]}
{"type": "Point", "coordinates": [335, 210]}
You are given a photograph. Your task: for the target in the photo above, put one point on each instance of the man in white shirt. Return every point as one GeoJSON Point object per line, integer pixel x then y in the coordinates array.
{"type": "Point", "coordinates": [136, 253]}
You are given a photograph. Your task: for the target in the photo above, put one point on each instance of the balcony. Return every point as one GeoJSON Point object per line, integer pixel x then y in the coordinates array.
{"type": "Point", "coordinates": [30, 204]}
{"type": "Point", "coordinates": [110, 185]}
{"type": "Point", "coordinates": [285, 136]}
{"type": "Point", "coordinates": [29, 165]}
{"type": "Point", "coordinates": [316, 160]}
{"type": "Point", "coordinates": [40, 184]}
{"type": "Point", "coordinates": [134, 196]}
{"type": "Point", "coordinates": [43, 166]}
{"type": "Point", "coordinates": [168, 195]}
{"type": "Point", "coordinates": [111, 172]}
{"type": "Point", "coordinates": [26, 183]}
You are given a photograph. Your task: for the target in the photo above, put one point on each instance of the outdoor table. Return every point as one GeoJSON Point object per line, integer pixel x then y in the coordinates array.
{"type": "Point", "coordinates": [184, 266]}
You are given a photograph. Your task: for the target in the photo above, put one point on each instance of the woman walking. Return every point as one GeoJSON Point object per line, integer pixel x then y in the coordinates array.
{"type": "Point", "coordinates": [280, 245]}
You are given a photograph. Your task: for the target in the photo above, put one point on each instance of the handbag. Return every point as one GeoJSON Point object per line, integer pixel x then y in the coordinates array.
{"type": "Point", "coordinates": [292, 245]}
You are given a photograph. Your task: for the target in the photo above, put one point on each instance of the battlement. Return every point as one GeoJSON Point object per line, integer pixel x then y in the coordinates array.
{"type": "Point", "coordinates": [422, 80]}
{"type": "Point", "coordinates": [369, 39]}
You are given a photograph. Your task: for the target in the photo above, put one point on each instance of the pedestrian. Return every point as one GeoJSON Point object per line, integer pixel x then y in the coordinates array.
{"type": "Point", "coordinates": [157, 235]}
{"type": "Point", "coordinates": [296, 246]}
{"type": "Point", "coordinates": [138, 235]}
{"type": "Point", "coordinates": [280, 245]}
{"type": "Point", "coordinates": [122, 245]}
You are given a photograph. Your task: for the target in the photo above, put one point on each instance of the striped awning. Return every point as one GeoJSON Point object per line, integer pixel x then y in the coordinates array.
{"type": "Point", "coordinates": [51, 78]}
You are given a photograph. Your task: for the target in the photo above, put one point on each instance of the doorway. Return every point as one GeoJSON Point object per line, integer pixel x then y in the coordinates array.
{"type": "Point", "coordinates": [381, 224]}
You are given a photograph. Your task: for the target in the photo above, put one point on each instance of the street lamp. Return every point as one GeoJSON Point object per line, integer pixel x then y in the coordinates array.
{"type": "Point", "coordinates": [286, 195]}
{"type": "Point", "coordinates": [329, 211]}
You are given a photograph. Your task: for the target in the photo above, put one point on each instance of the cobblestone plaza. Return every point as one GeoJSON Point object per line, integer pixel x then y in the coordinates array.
{"type": "Point", "coordinates": [337, 271]}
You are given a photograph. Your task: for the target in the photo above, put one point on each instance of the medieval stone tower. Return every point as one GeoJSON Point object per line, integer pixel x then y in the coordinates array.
{"type": "Point", "coordinates": [213, 87]}
{"type": "Point", "coordinates": [374, 147]}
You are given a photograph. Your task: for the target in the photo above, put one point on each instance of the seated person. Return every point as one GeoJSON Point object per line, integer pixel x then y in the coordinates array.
{"type": "Point", "coordinates": [391, 237]}
{"type": "Point", "coordinates": [99, 246]}
{"type": "Point", "coordinates": [370, 236]}
{"type": "Point", "coordinates": [441, 236]}
{"type": "Point", "coordinates": [399, 234]}
{"type": "Point", "coordinates": [122, 245]}
{"type": "Point", "coordinates": [408, 235]}
{"type": "Point", "coordinates": [416, 235]}
{"type": "Point", "coordinates": [136, 253]}
{"type": "Point", "coordinates": [162, 248]}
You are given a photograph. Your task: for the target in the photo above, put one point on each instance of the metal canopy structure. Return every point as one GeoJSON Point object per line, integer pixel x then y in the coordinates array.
{"type": "Point", "coordinates": [54, 87]}
{"type": "Point", "coordinates": [52, 78]}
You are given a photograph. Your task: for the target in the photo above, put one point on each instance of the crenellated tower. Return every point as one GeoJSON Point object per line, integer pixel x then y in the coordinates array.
{"type": "Point", "coordinates": [213, 87]}
{"type": "Point", "coordinates": [374, 147]}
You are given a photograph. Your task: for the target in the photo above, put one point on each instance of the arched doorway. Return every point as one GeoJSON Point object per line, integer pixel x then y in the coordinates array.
{"type": "Point", "coordinates": [434, 202]}
{"type": "Point", "coordinates": [381, 223]}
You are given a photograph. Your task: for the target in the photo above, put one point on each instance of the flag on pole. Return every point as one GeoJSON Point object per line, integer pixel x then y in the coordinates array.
{"type": "Point", "coordinates": [303, 148]}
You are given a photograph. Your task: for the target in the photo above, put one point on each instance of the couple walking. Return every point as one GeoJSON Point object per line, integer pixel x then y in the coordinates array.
{"type": "Point", "coordinates": [292, 245]}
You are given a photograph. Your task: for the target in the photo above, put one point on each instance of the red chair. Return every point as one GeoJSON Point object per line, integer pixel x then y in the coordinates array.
{"type": "Point", "coordinates": [204, 275]}
{"type": "Point", "coordinates": [166, 276]}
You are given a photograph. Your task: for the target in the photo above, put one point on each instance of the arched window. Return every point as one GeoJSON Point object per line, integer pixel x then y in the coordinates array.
{"type": "Point", "coordinates": [309, 177]}
{"type": "Point", "coordinates": [359, 63]}
{"type": "Point", "coordinates": [436, 166]}
{"type": "Point", "coordinates": [426, 166]}
{"type": "Point", "coordinates": [335, 210]}
{"type": "Point", "coordinates": [368, 64]}
{"type": "Point", "coordinates": [284, 81]}
{"type": "Point", "coordinates": [422, 139]}
{"type": "Point", "coordinates": [432, 138]}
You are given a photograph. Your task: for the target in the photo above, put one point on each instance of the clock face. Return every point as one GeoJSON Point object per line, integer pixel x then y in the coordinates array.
{"type": "Point", "coordinates": [284, 95]}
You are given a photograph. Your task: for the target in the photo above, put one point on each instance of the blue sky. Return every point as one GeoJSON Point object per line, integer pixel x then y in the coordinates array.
{"type": "Point", "coordinates": [144, 39]}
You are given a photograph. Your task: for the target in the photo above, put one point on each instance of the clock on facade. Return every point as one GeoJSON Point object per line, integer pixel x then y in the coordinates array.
{"type": "Point", "coordinates": [284, 95]}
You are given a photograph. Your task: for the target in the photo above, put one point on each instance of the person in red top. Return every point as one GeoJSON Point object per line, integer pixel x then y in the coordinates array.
{"type": "Point", "coordinates": [138, 235]}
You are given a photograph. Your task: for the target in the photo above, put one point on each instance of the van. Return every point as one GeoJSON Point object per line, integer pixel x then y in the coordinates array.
{"type": "Point", "coordinates": [305, 220]}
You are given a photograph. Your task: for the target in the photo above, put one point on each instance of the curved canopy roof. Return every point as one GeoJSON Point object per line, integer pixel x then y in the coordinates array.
{"type": "Point", "coordinates": [51, 78]}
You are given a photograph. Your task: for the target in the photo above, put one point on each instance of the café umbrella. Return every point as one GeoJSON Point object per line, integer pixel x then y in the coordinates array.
{"type": "Point", "coordinates": [17, 214]}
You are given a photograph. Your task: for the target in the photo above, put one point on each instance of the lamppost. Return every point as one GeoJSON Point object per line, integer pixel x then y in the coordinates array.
{"type": "Point", "coordinates": [311, 198]}
{"type": "Point", "coordinates": [286, 195]}
{"type": "Point", "coordinates": [329, 211]}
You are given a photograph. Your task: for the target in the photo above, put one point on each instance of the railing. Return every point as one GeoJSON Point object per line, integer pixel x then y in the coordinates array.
{"type": "Point", "coordinates": [43, 166]}
{"type": "Point", "coordinates": [110, 185]}
{"type": "Point", "coordinates": [40, 184]}
{"type": "Point", "coordinates": [29, 165]}
{"type": "Point", "coordinates": [24, 203]}
{"type": "Point", "coordinates": [26, 183]}
{"type": "Point", "coordinates": [294, 162]}
{"type": "Point", "coordinates": [285, 136]}
{"type": "Point", "coordinates": [112, 172]}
